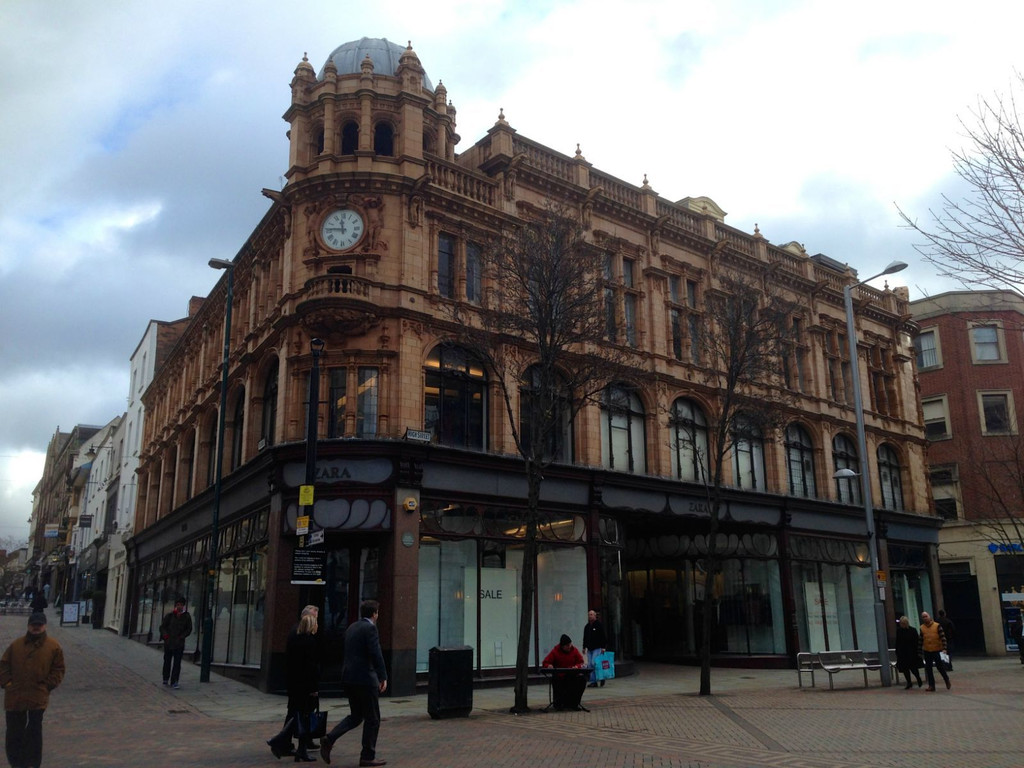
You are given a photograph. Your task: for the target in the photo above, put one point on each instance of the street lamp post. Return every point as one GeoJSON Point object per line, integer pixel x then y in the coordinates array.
{"type": "Point", "coordinates": [865, 478]}
{"type": "Point", "coordinates": [211, 573]}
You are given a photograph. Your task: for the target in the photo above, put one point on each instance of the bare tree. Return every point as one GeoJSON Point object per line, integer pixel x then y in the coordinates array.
{"type": "Point", "coordinates": [542, 332]}
{"type": "Point", "coordinates": [995, 487]}
{"type": "Point", "coordinates": [743, 342]}
{"type": "Point", "coordinates": [979, 240]}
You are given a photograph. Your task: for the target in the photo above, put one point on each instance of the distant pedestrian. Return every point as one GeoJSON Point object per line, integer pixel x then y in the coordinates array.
{"type": "Point", "coordinates": [39, 602]}
{"type": "Point", "coordinates": [364, 676]}
{"type": "Point", "coordinates": [176, 626]}
{"type": "Point", "coordinates": [594, 641]}
{"type": "Point", "coordinates": [932, 643]}
{"type": "Point", "coordinates": [46, 591]}
{"type": "Point", "coordinates": [908, 657]}
{"type": "Point", "coordinates": [950, 629]}
{"type": "Point", "coordinates": [31, 667]}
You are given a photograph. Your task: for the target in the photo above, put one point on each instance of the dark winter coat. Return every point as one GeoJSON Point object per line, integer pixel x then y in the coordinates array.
{"type": "Point", "coordinates": [174, 629]}
{"type": "Point", "coordinates": [31, 667]}
{"type": "Point", "coordinates": [593, 636]}
{"type": "Point", "coordinates": [302, 667]}
{"type": "Point", "coordinates": [907, 655]}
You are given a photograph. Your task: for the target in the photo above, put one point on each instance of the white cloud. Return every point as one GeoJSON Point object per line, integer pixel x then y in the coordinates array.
{"type": "Point", "coordinates": [142, 134]}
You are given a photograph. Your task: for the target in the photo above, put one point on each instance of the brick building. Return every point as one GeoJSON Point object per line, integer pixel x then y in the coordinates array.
{"type": "Point", "coordinates": [418, 489]}
{"type": "Point", "coordinates": [970, 359]}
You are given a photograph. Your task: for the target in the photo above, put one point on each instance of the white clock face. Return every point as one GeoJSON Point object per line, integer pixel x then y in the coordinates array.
{"type": "Point", "coordinates": [342, 229]}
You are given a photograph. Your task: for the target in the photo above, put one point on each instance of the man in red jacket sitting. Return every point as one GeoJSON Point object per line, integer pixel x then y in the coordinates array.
{"type": "Point", "coordinates": [566, 687]}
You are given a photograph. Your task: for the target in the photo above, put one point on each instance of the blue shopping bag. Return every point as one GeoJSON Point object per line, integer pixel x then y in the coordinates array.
{"type": "Point", "coordinates": [604, 666]}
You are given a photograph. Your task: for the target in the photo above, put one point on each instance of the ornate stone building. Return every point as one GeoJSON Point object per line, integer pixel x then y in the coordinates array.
{"type": "Point", "coordinates": [418, 491]}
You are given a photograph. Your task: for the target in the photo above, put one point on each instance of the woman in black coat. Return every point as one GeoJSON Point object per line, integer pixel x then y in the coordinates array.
{"type": "Point", "coordinates": [908, 657]}
{"type": "Point", "coordinates": [302, 668]}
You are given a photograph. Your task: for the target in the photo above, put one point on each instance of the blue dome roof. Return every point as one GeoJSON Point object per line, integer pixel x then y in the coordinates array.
{"type": "Point", "coordinates": [384, 54]}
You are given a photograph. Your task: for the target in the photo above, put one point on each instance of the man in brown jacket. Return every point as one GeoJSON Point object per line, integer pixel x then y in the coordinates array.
{"type": "Point", "coordinates": [31, 667]}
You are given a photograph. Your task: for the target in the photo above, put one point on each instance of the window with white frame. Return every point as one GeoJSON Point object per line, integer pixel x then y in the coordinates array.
{"type": "Point", "coordinates": [936, 418]}
{"type": "Point", "coordinates": [987, 343]}
{"type": "Point", "coordinates": [926, 347]}
{"type": "Point", "coordinates": [996, 409]}
{"type": "Point", "coordinates": [945, 482]}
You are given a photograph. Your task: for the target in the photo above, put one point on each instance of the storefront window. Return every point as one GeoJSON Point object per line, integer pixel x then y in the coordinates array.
{"type": "Point", "coordinates": [561, 595]}
{"type": "Point", "coordinates": [222, 610]}
{"type": "Point", "coordinates": [447, 609]}
{"type": "Point", "coordinates": [833, 595]}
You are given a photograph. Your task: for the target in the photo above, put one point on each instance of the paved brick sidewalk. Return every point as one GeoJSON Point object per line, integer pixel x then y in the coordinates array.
{"type": "Point", "coordinates": [113, 712]}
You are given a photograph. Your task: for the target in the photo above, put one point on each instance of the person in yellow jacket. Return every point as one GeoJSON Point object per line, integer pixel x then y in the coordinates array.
{"type": "Point", "coordinates": [933, 642]}
{"type": "Point", "coordinates": [31, 667]}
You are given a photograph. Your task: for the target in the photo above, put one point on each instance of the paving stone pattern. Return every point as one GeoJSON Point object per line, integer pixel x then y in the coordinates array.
{"type": "Point", "coordinates": [112, 711]}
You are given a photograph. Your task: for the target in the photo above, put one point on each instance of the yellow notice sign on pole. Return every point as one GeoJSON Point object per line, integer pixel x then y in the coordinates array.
{"type": "Point", "coordinates": [305, 495]}
{"type": "Point", "coordinates": [302, 525]}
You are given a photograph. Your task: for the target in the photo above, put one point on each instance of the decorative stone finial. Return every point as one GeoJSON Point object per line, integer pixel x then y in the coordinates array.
{"type": "Point", "coordinates": [757, 232]}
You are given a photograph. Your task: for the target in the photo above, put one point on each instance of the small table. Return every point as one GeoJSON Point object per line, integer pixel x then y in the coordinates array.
{"type": "Point", "coordinates": [566, 686]}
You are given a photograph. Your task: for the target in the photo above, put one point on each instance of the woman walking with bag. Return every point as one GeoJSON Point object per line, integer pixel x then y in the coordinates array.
{"type": "Point", "coordinates": [908, 658]}
{"type": "Point", "coordinates": [302, 665]}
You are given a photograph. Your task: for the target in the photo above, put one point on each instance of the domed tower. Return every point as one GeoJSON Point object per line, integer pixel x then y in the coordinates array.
{"type": "Point", "coordinates": [370, 108]}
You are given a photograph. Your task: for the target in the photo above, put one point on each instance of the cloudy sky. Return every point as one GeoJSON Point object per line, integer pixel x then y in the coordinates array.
{"type": "Point", "coordinates": [136, 137]}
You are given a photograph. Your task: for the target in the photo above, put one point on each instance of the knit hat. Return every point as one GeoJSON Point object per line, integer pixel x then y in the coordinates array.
{"type": "Point", "coordinates": [565, 640]}
{"type": "Point", "coordinates": [37, 618]}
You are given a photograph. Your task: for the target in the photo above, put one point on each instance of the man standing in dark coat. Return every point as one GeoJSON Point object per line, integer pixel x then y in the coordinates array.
{"type": "Point", "coordinates": [176, 626]}
{"type": "Point", "coordinates": [594, 642]}
{"type": "Point", "coordinates": [31, 667]}
{"type": "Point", "coordinates": [365, 678]}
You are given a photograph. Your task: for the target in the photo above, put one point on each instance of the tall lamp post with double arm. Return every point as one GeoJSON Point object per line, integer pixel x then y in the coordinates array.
{"type": "Point", "coordinates": [211, 573]}
{"type": "Point", "coordinates": [865, 478]}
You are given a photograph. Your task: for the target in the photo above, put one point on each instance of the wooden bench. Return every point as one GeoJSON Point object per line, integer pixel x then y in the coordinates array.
{"type": "Point", "coordinates": [832, 662]}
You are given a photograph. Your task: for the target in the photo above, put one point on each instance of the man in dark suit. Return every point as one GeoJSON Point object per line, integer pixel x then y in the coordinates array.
{"type": "Point", "coordinates": [365, 678]}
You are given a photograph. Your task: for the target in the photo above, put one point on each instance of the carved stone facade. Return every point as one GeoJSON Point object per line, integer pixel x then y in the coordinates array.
{"type": "Point", "coordinates": [415, 471]}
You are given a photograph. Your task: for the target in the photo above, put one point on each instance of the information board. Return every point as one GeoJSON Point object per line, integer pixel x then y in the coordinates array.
{"type": "Point", "coordinates": [309, 564]}
{"type": "Point", "coordinates": [69, 614]}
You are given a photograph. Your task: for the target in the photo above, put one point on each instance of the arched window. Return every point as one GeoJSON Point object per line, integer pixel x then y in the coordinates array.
{"type": "Point", "coordinates": [536, 397]}
{"type": "Point", "coordinates": [689, 430]}
{"type": "Point", "coordinates": [269, 406]}
{"type": "Point", "coordinates": [622, 430]}
{"type": "Point", "coordinates": [349, 138]}
{"type": "Point", "coordinates": [844, 456]}
{"type": "Point", "coordinates": [318, 141]}
{"type": "Point", "coordinates": [237, 430]}
{"type": "Point", "coordinates": [429, 143]}
{"type": "Point", "coordinates": [384, 139]}
{"type": "Point", "coordinates": [800, 462]}
{"type": "Point", "coordinates": [748, 454]}
{"type": "Point", "coordinates": [454, 398]}
{"type": "Point", "coordinates": [890, 478]}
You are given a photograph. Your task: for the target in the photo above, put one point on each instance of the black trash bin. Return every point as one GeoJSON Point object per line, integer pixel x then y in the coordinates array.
{"type": "Point", "coordinates": [450, 684]}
